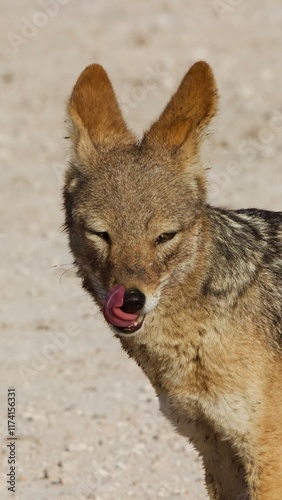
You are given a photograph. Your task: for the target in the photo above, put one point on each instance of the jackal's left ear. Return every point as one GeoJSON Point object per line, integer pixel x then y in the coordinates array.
{"type": "Point", "coordinates": [96, 119]}
{"type": "Point", "coordinates": [188, 112]}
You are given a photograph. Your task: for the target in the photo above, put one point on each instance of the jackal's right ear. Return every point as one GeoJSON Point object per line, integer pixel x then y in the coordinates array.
{"type": "Point", "coordinates": [187, 114]}
{"type": "Point", "coordinates": [96, 119]}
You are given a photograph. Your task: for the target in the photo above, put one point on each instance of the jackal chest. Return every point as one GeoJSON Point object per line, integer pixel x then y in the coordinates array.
{"type": "Point", "coordinates": [226, 415]}
{"type": "Point", "coordinates": [194, 386]}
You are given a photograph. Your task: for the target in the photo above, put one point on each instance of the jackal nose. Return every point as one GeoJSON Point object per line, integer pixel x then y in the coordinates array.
{"type": "Point", "coordinates": [133, 301]}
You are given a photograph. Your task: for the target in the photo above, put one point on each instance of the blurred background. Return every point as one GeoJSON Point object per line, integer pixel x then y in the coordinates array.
{"type": "Point", "coordinates": [87, 419]}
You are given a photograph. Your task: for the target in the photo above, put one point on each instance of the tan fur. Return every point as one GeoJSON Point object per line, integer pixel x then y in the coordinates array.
{"type": "Point", "coordinates": [211, 339]}
{"type": "Point", "coordinates": [95, 114]}
{"type": "Point", "coordinates": [189, 109]}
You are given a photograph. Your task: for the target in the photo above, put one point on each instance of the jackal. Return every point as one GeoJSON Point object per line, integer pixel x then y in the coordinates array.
{"type": "Point", "coordinates": [193, 292]}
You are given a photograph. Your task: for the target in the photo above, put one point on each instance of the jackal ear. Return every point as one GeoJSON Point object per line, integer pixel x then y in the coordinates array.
{"type": "Point", "coordinates": [188, 112]}
{"type": "Point", "coordinates": [96, 119]}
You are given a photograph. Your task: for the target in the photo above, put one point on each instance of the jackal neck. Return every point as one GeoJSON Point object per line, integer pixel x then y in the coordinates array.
{"type": "Point", "coordinates": [238, 248]}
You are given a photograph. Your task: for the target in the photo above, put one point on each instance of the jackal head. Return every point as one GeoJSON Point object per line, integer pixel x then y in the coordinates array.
{"type": "Point", "coordinates": [134, 209]}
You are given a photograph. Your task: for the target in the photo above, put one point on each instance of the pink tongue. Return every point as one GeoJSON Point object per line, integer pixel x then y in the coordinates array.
{"type": "Point", "coordinates": [111, 308]}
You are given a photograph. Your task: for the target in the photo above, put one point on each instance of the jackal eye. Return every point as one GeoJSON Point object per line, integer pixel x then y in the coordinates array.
{"type": "Point", "coordinates": [104, 235]}
{"type": "Point", "coordinates": [162, 238]}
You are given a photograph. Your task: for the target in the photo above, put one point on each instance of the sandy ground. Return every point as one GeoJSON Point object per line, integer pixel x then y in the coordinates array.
{"type": "Point", "coordinates": [88, 426]}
